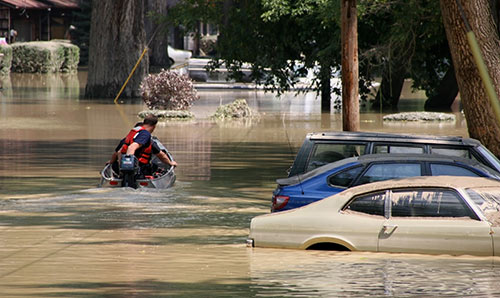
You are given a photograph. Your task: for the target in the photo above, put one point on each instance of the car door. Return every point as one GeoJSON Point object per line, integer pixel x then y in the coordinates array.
{"type": "Point", "coordinates": [361, 220]}
{"type": "Point", "coordinates": [433, 221]}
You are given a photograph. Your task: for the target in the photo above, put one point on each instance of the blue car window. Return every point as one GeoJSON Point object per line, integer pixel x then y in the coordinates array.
{"type": "Point", "coordinates": [372, 204]}
{"type": "Point", "coordinates": [345, 178]}
{"type": "Point", "coordinates": [451, 170]}
{"type": "Point", "coordinates": [429, 203]}
{"type": "Point", "coordinates": [386, 171]}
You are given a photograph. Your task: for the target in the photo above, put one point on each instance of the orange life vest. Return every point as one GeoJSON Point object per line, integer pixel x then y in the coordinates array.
{"type": "Point", "coordinates": [144, 153]}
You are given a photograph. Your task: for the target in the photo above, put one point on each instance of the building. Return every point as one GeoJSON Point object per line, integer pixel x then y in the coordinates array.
{"type": "Point", "coordinates": [29, 20]}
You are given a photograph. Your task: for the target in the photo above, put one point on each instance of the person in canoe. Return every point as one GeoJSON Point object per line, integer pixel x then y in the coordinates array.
{"type": "Point", "coordinates": [142, 145]}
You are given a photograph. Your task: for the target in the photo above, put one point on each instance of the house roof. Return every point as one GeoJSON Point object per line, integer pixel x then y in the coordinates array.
{"type": "Point", "coordinates": [40, 4]}
{"type": "Point", "coordinates": [28, 4]}
{"type": "Point", "coordinates": [73, 4]}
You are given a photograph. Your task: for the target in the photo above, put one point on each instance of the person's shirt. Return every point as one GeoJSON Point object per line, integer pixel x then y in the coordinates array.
{"type": "Point", "coordinates": [143, 138]}
{"type": "Point", "coordinates": [155, 148]}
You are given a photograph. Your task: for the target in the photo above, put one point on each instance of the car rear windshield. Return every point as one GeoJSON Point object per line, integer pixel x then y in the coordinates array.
{"type": "Point", "coordinates": [325, 153]}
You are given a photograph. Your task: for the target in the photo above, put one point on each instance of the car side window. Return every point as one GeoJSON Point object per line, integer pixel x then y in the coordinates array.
{"type": "Point", "coordinates": [429, 203]}
{"type": "Point", "coordinates": [345, 178]}
{"type": "Point", "coordinates": [386, 171]}
{"type": "Point", "coordinates": [448, 151]}
{"type": "Point", "coordinates": [372, 204]}
{"type": "Point", "coordinates": [451, 170]}
{"type": "Point", "coordinates": [388, 148]}
{"type": "Point", "coordinates": [323, 153]}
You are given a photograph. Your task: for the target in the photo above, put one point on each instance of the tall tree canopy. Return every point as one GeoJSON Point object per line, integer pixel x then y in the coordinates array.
{"type": "Point", "coordinates": [283, 39]}
{"type": "Point", "coordinates": [117, 39]}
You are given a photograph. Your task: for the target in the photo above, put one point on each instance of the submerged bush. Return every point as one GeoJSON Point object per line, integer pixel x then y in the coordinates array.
{"type": "Point", "coordinates": [168, 90]}
{"type": "Point", "coordinates": [236, 110]}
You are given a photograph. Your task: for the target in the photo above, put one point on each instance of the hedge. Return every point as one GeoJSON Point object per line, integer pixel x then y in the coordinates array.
{"type": "Point", "coordinates": [44, 56]}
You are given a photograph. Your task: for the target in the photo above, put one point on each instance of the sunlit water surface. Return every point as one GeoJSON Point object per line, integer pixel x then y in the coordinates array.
{"type": "Point", "coordinates": [62, 236]}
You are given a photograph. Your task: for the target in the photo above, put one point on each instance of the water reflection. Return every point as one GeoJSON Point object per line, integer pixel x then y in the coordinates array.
{"type": "Point", "coordinates": [63, 237]}
{"type": "Point", "coordinates": [331, 274]}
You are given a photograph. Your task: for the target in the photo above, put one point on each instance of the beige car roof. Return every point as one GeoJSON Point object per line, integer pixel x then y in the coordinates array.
{"type": "Point", "coordinates": [425, 181]}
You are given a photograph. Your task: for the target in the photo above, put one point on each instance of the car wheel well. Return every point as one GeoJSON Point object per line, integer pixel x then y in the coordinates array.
{"type": "Point", "coordinates": [328, 246]}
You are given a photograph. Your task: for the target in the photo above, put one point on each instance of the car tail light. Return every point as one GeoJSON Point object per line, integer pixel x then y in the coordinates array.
{"type": "Point", "coordinates": [143, 183]}
{"type": "Point", "coordinates": [113, 182]}
{"type": "Point", "coordinates": [279, 202]}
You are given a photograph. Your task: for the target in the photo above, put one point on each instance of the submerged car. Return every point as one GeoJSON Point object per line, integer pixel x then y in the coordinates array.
{"type": "Point", "coordinates": [335, 177]}
{"type": "Point", "coordinates": [433, 215]}
{"type": "Point", "coordinates": [321, 148]}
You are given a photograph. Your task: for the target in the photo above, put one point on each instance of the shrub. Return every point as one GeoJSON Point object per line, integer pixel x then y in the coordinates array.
{"type": "Point", "coordinates": [168, 90]}
{"type": "Point", "coordinates": [236, 110]}
{"type": "Point", "coordinates": [6, 60]}
{"type": "Point", "coordinates": [44, 56]}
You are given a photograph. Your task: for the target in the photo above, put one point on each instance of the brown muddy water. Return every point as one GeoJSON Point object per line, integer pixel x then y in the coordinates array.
{"type": "Point", "coordinates": [63, 237]}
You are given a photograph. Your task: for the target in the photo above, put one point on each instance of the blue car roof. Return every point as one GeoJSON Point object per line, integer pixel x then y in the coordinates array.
{"type": "Point", "coordinates": [368, 158]}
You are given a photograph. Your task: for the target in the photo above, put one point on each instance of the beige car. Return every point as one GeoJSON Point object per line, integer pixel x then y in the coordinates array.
{"type": "Point", "coordinates": [432, 215]}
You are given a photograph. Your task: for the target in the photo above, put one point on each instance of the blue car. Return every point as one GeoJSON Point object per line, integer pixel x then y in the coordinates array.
{"type": "Point", "coordinates": [335, 177]}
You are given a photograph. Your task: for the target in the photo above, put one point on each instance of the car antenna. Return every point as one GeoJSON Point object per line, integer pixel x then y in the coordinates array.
{"type": "Point", "coordinates": [291, 152]}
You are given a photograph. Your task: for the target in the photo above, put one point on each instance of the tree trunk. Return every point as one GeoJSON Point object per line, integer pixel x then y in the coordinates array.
{"type": "Point", "coordinates": [325, 88]}
{"type": "Point", "coordinates": [389, 92]}
{"type": "Point", "coordinates": [481, 121]}
{"type": "Point", "coordinates": [446, 93]}
{"type": "Point", "coordinates": [158, 53]}
{"type": "Point", "coordinates": [350, 92]}
{"type": "Point", "coordinates": [117, 40]}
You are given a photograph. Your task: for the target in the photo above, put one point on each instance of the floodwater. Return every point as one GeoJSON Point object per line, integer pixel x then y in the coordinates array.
{"type": "Point", "coordinates": [60, 236]}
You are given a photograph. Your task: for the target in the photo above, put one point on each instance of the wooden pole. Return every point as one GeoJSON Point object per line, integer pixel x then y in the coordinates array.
{"type": "Point", "coordinates": [350, 75]}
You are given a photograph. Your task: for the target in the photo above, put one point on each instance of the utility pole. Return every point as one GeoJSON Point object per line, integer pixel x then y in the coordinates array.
{"type": "Point", "coordinates": [350, 72]}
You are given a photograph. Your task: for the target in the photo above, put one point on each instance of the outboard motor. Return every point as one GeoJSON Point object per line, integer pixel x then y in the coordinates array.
{"type": "Point", "coordinates": [129, 166]}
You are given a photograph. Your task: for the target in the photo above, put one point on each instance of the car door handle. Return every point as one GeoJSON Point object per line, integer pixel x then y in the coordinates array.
{"type": "Point", "coordinates": [390, 227]}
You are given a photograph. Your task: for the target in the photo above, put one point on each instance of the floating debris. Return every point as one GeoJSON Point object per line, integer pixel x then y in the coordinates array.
{"type": "Point", "coordinates": [420, 116]}
{"type": "Point", "coordinates": [168, 114]}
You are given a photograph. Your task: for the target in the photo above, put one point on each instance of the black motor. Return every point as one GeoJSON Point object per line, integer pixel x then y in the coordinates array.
{"type": "Point", "coordinates": [129, 167]}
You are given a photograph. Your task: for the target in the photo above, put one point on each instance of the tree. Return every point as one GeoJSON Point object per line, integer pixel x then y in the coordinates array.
{"type": "Point", "coordinates": [482, 123]}
{"type": "Point", "coordinates": [350, 101]}
{"type": "Point", "coordinates": [158, 55]}
{"type": "Point", "coordinates": [81, 34]}
{"type": "Point", "coordinates": [117, 39]}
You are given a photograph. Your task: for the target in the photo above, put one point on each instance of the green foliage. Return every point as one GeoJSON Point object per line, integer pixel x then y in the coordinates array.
{"type": "Point", "coordinates": [187, 14]}
{"type": "Point", "coordinates": [80, 36]}
{"type": "Point", "coordinates": [44, 56]}
{"type": "Point", "coordinates": [6, 60]}
{"type": "Point", "coordinates": [406, 35]}
{"type": "Point", "coordinates": [283, 39]}
{"type": "Point", "coordinates": [71, 57]}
